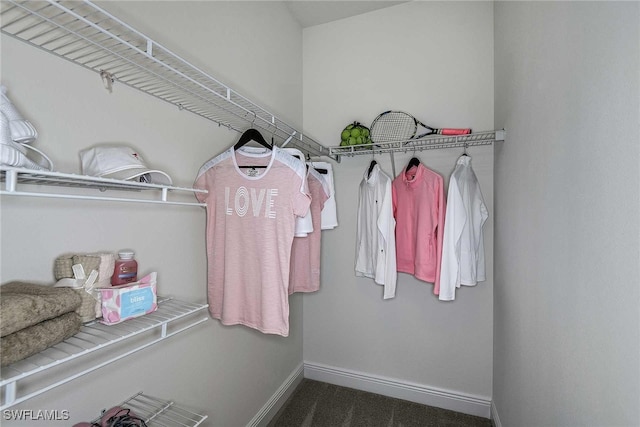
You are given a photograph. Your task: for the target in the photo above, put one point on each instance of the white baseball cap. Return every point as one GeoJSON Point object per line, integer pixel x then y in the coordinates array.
{"type": "Point", "coordinates": [119, 162]}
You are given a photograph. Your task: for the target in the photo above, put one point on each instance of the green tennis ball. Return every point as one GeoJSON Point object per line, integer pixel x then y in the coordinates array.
{"type": "Point", "coordinates": [355, 132]}
{"type": "Point", "coordinates": [345, 135]}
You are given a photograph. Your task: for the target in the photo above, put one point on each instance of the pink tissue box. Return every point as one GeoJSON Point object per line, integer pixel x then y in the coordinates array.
{"type": "Point", "coordinates": [120, 303]}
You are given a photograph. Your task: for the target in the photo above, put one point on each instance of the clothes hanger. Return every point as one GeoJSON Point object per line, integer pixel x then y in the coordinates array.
{"type": "Point", "coordinates": [273, 134]}
{"type": "Point", "coordinates": [414, 160]}
{"type": "Point", "coordinates": [303, 160]}
{"type": "Point", "coordinates": [249, 135]}
{"type": "Point", "coordinates": [307, 161]}
{"type": "Point", "coordinates": [322, 171]}
{"type": "Point", "coordinates": [371, 165]}
{"type": "Point", "coordinates": [252, 135]}
{"type": "Point", "coordinates": [464, 153]}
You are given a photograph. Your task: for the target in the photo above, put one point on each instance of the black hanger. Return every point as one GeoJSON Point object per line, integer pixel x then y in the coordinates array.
{"type": "Point", "coordinates": [297, 156]}
{"type": "Point", "coordinates": [251, 135]}
{"type": "Point", "coordinates": [413, 162]}
{"type": "Point", "coordinates": [322, 171]}
{"type": "Point", "coordinates": [371, 165]}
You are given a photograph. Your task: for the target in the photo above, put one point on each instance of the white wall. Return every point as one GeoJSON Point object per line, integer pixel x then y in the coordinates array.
{"type": "Point", "coordinates": [435, 60]}
{"type": "Point", "coordinates": [567, 255]}
{"type": "Point", "coordinates": [227, 372]}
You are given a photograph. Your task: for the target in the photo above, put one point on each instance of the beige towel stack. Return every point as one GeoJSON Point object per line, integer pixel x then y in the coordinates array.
{"type": "Point", "coordinates": [103, 263]}
{"type": "Point", "coordinates": [35, 317]}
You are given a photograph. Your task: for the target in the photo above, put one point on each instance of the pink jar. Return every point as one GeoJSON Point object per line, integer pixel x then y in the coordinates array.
{"type": "Point", "coordinates": [126, 270]}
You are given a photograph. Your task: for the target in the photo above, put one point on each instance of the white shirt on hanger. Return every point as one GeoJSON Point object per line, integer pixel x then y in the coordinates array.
{"type": "Point", "coordinates": [329, 212]}
{"type": "Point", "coordinates": [463, 244]}
{"type": "Point", "coordinates": [304, 225]}
{"type": "Point", "coordinates": [376, 238]}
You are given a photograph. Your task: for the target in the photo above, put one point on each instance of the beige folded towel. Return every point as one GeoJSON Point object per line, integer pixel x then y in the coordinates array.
{"type": "Point", "coordinates": [62, 267]}
{"type": "Point", "coordinates": [106, 270]}
{"type": "Point", "coordinates": [26, 304]}
{"type": "Point", "coordinates": [103, 263]}
{"type": "Point", "coordinates": [88, 261]}
{"type": "Point", "coordinates": [87, 309]}
{"type": "Point", "coordinates": [34, 339]}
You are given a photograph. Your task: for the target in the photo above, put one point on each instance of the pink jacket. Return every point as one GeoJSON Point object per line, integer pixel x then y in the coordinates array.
{"type": "Point", "coordinates": [419, 209]}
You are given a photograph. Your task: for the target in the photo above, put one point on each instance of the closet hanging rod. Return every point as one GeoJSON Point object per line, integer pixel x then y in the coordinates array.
{"type": "Point", "coordinates": [87, 35]}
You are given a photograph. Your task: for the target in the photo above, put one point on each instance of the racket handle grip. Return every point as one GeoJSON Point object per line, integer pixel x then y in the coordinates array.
{"type": "Point", "coordinates": [455, 131]}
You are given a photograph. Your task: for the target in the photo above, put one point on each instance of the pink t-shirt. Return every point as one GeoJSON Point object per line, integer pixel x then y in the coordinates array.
{"type": "Point", "coordinates": [305, 253]}
{"type": "Point", "coordinates": [250, 226]}
{"type": "Point", "coordinates": [419, 208]}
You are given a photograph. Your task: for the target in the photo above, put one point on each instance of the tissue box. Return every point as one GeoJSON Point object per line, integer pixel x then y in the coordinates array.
{"type": "Point", "coordinates": [120, 303]}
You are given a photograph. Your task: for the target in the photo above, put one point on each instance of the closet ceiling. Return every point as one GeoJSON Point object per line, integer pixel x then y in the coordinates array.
{"type": "Point", "coordinates": [312, 12]}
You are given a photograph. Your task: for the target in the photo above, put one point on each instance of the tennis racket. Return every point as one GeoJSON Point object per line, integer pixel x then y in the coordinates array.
{"type": "Point", "coordinates": [400, 126]}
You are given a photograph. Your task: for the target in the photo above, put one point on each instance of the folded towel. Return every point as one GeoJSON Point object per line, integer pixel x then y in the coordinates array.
{"type": "Point", "coordinates": [26, 304]}
{"type": "Point", "coordinates": [102, 262]}
{"type": "Point", "coordinates": [88, 261]}
{"type": "Point", "coordinates": [89, 299]}
{"type": "Point", "coordinates": [62, 267]}
{"type": "Point", "coordinates": [34, 339]}
{"type": "Point", "coordinates": [87, 309]}
{"type": "Point", "coordinates": [107, 267]}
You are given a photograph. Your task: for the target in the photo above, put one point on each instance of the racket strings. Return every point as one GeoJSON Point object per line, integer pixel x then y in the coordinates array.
{"type": "Point", "coordinates": [393, 127]}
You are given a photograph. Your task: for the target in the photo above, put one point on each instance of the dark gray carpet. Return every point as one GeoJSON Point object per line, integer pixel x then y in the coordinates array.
{"type": "Point", "coordinates": [318, 404]}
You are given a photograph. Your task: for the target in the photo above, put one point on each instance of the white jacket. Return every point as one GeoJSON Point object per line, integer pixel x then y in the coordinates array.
{"type": "Point", "coordinates": [376, 235]}
{"type": "Point", "coordinates": [463, 244]}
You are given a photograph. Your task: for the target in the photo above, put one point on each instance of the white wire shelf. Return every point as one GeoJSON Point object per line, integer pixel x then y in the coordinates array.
{"type": "Point", "coordinates": [159, 412]}
{"type": "Point", "coordinates": [29, 182]}
{"type": "Point", "coordinates": [96, 339]}
{"type": "Point", "coordinates": [427, 143]}
{"type": "Point", "coordinates": [87, 35]}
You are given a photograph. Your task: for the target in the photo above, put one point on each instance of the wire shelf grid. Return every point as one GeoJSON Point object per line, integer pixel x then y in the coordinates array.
{"type": "Point", "coordinates": [23, 182]}
{"type": "Point", "coordinates": [87, 35]}
{"type": "Point", "coordinates": [421, 144]}
{"type": "Point", "coordinates": [160, 412]}
{"type": "Point", "coordinates": [95, 336]}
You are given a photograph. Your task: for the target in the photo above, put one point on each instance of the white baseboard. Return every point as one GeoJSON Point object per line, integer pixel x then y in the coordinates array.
{"type": "Point", "coordinates": [494, 415]}
{"type": "Point", "coordinates": [467, 404]}
{"type": "Point", "coordinates": [273, 405]}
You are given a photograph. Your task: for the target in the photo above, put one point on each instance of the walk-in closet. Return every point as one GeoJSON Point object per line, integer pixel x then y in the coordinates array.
{"type": "Point", "coordinates": [548, 335]}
